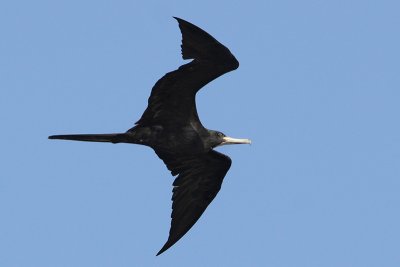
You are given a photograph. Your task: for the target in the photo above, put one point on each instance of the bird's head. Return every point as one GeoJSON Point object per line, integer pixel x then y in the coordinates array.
{"type": "Point", "coordinates": [218, 139]}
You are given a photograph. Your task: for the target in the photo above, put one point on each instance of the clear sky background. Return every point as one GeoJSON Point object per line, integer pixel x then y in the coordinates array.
{"type": "Point", "coordinates": [318, 92]}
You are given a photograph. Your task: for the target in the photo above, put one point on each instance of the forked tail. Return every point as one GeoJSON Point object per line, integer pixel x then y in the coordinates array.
{"type": "Point", "coordinates": [110, 138]}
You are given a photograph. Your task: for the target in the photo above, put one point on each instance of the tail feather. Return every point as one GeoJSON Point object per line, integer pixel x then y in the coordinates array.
{"type": "Point", "coordinates": [111, 138]}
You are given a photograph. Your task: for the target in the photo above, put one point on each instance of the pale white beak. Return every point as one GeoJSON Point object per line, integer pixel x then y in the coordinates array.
{"type": "Point", "coordinates": [232, 141]}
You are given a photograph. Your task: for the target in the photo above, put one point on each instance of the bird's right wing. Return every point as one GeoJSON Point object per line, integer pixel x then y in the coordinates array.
{"type": "Point", "coordinates": [198, 182]}
{"type": "Point", "coordinates": [172, 99]}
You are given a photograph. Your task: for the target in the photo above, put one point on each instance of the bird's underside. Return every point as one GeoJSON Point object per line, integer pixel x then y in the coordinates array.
{"type": "Point", "coordinates": [171, 126]}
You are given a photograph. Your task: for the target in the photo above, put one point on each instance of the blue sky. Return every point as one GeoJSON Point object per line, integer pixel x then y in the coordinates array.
{"type": "Point", "coordinates": [317, 91]}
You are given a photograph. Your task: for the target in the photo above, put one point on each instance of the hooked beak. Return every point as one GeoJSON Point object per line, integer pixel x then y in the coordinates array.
{"type": "Point", "coordinates": [231, 141]}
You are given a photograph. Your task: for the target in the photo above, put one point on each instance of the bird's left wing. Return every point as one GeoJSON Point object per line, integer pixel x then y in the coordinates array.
{"type": "Point", "coordinates": [198, 182]}
{"type": "Point", "coordinates": [172, 99]}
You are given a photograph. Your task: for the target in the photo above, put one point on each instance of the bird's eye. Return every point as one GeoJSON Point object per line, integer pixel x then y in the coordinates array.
{"type": "Point", "coordinates": [220, 134]}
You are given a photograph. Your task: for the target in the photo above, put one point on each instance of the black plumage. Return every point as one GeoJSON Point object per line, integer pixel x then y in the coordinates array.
{"type": "Point", "coordinates": [171, 126]}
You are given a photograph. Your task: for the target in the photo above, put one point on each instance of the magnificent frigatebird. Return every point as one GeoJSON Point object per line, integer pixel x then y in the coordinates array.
{"type": "Point", "coordinates": [171, 126]}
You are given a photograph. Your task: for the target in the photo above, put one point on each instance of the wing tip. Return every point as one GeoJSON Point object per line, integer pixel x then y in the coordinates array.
{"type": "Point", "coordinates": [199, 44]}
{"type": "Point", "coordinates": [181, 20]}
{"type": "Point", "coordinates": [187, 51]}
{"type": "Point", "coordinates": [166, 246]}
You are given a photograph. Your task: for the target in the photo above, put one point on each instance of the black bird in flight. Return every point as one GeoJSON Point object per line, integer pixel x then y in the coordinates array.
{"type": "Point", "coordinates": [171, 126]}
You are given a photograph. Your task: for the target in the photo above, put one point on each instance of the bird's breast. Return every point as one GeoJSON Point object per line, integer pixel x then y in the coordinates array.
{"type": "Point", "coordinates": [180, 140]}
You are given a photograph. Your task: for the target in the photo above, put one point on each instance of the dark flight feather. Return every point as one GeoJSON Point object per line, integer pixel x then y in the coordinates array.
{"type": "Point", "coordinates": [198, 182]}
{"type": "Point", "coordinates": [172, 99]}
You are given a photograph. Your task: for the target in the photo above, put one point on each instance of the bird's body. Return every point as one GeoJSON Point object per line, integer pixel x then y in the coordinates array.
{"type": "Point", "coordinates": [170, 125]}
